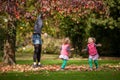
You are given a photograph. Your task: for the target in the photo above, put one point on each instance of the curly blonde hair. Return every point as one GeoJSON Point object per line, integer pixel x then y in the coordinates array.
{"type": "Point", "coordinates": [94, 40]}
{"type": "Point", "coordinates": [66, 40]}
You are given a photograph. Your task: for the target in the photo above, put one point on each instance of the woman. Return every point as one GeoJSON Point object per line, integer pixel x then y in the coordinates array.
{"type": "Point", "coordinates": [37, 42]}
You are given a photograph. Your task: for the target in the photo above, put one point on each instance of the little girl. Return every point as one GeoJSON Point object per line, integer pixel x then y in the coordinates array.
{"type": "Point", "coordinates": [65, 51]}
{"type": "Point", "coordinates": [93, 53]}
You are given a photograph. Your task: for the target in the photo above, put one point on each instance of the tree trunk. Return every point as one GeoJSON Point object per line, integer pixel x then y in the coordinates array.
{"type": "Point", "coordinates": [9, 45]}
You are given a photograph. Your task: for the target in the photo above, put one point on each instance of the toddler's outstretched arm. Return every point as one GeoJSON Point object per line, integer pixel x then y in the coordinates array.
{"type": "Point", "coordinates": [98, 45]}
{"type": "Point", "coordinates": [83, 50]}
{"type": "Point", "coordinates": [71, 49]}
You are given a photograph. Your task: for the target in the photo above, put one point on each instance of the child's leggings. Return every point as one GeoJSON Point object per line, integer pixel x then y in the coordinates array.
{"type": "Point", "coordinates": [64, 63]}
{"type": "Point", "coordinates": [37, 53]}
{"type": "Point", "coordinates": [95, 62]}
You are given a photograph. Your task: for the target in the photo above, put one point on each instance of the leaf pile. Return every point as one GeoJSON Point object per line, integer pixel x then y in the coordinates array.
{"type": "Point", "coordinates": [26, 68]}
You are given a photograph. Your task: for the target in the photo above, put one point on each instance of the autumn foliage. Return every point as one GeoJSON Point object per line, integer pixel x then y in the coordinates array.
{"type": "Point", "coordinates": [48, 7]}
{"type": "Point", "coordinates": [26, 68]}
{"type": "Point", "coordinates": [67, 7]}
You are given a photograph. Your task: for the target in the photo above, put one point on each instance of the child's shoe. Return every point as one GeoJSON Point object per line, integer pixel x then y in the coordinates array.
{"type": "Point", "coordinates": [91, 69]}
{"type": "Point", "coordinates": [97, 69]}
{"type": "Point", "coordinates": [62, 69]}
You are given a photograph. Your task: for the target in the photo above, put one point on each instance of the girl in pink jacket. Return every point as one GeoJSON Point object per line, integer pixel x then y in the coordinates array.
{"type": "Point", "coordinates": [65, 51]}
{"type": "Point", "coordinates": [93, 53]}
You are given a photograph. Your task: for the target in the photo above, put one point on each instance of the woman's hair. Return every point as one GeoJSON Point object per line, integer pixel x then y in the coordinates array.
{"type": "Point", "coordinates": [66, 41]}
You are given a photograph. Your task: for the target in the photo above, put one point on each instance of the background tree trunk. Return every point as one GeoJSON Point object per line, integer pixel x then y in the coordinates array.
{"type": "Point", "coordinates": [9, 44]}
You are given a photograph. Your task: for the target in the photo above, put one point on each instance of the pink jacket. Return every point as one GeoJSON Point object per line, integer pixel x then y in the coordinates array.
{"type": "Point", "coordinates": [65, 49]}
{"type": "Point", "coordinates": [92, 49]}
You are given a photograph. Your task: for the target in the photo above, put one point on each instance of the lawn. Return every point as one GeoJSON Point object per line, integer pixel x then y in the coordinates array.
{"type": "Point", "coordinates": [53, 59]}
{"type": "Point", "coordinates": [103, 74]}
{"type": "Point", "coordinates": [61, 75]}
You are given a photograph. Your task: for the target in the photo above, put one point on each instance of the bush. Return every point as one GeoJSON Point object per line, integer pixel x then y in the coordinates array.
{"type": "Point", "coordinates": [51, 45]}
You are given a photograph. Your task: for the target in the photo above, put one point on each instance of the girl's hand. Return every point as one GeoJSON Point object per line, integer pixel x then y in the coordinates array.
{"type": "Point", "coordinates": [71, 49]}
{"type": "Point", "coordinates": [83, 50]}
{"type": "Point", "coordinates": [99, 45]}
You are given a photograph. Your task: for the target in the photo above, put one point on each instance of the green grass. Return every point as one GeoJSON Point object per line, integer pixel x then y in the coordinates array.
{"type": "Point", "coordinates": [76, 62]}
{"type": "Point", "coordinates": [61, 75]}
{"type": "Point", "coordinates": [53, 59]}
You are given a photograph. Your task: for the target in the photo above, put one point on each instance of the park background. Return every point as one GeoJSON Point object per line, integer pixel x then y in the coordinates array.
{"type": "Point", "coordinates": [76, 19]}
